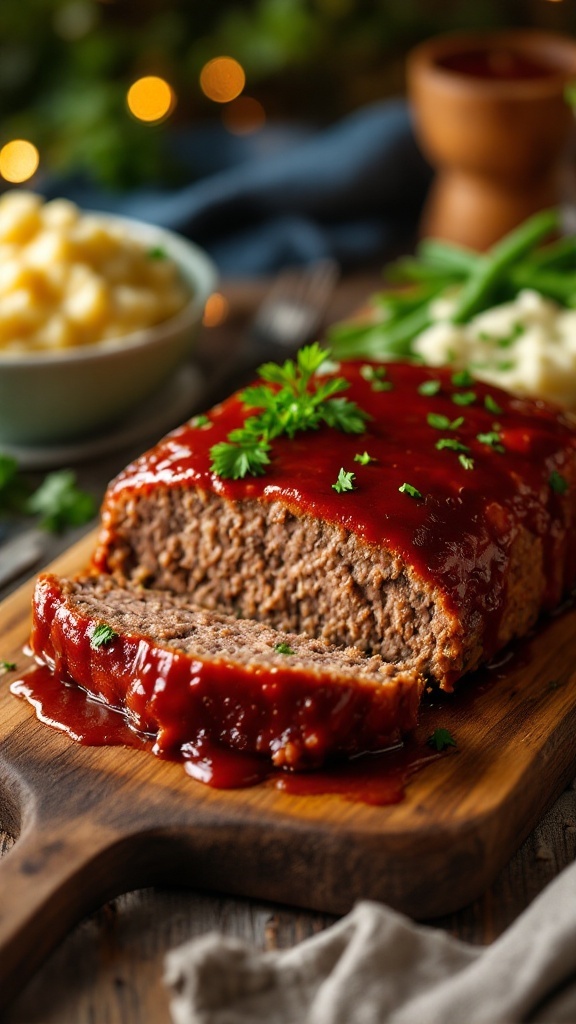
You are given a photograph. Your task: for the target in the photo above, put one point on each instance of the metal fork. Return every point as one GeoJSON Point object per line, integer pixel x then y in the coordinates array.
{"type": "Point", "coordinates": [292, 310]}
{"type": "Point", "coordinates": [289, 315]}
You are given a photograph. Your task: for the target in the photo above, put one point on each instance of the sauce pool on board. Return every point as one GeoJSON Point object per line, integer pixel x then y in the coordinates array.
{"type": "Point", "coordinates": [378, 779]}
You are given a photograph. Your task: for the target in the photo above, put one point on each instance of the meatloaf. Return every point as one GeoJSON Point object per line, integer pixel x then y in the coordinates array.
{"type": "Point", "coordinates": [185, 674]}
{"type": "Point", "coordinates": [456, 532]}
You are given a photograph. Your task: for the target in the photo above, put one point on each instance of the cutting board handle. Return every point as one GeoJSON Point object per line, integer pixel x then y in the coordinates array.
{"type": "Point", "coordinates": [47, 883]}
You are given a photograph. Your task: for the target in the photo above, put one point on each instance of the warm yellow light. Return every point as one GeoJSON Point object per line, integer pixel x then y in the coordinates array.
{"type": "Point", "coordinates": [222, 79]}
{"type": "Point", "coordinates": [19, 160]}
{"type": "Point", "coordinates": [243, 115]}
{"type": "Point", "coordinates": [215, 310]}
{"type": "Point", "coordinates": [150, 98]}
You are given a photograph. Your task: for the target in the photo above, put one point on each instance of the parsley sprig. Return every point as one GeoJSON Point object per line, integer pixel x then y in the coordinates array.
{"type": "Point", "coordinates": [294, 403]}
{"type": "Point", "coordinates": [440, 739]}
{"type": "Point", "coordinates": [102, 636]}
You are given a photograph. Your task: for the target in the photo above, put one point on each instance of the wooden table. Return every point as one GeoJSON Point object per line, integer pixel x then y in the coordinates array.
{"type": "Point", "coordinates": [109, 969]}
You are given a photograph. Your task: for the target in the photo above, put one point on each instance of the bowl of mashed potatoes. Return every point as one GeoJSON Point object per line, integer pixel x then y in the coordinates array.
{"type": "Point", "coordinates": [96, 313]}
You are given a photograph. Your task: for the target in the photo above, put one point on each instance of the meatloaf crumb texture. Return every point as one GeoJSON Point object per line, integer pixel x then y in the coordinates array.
{"type": "Point", "coordinates": [261, 561]}
{"type": "Point", "coordinates": [182, 671]}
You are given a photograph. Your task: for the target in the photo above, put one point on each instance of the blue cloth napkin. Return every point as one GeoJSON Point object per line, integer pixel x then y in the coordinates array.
{"type": "Point", "coordinates": [352, 191]}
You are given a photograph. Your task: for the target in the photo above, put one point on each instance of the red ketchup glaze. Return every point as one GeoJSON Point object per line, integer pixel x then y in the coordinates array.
{"type": "Point", "coordinates": [378, 779]}
{"type": "Point", "coordinates": [258, 710]}
{"type": "Point", "coordinates": [457, 536]}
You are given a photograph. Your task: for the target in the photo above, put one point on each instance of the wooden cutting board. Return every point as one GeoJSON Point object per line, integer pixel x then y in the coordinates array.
{"type": "Point", "coordinates": [94, 822]}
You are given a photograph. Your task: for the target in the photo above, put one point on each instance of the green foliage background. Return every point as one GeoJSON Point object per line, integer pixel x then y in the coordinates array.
{"type": "Point", "coordinates": [65, 65]}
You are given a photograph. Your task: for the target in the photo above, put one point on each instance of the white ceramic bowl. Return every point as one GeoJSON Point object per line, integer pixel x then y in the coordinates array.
{"type": "Point", "coordinates": [51, 397]}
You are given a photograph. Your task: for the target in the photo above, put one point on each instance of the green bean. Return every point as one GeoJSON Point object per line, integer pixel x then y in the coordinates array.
{"type": "Point", "coordinates": [396, 303]}
{"type": "Point", "coordinates": [557, 255]}
{"type": "Point", "coordinates": [491, 268]}
{"type": "Point", "coordinates": [548, 282]}
{"type": "Point", "coordinates": [410, 270]}
{"type": "Point", "coordinates": [453, 259]}
{"type": "Point", "coordinates": [378, 340]}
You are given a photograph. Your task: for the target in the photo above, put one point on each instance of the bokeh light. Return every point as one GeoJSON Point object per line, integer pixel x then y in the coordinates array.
{"type": "Point", "coordinates": [222, 79]}
{"type": "Point", "coordinates": [215, 310]}
{"type": "Point", "coordinates": [244, 115]}
{"type": "Point", "coordinates": [19, 160]}
{"type": "Point", "coordinates": [150, 98]}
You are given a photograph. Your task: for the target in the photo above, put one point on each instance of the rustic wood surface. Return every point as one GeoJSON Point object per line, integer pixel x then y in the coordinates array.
{"type": "Point", "coordinates": [109, 968]}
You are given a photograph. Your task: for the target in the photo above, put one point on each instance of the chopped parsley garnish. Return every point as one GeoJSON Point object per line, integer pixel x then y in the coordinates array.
{"type": "Point", "coordinates": [409, 489]}
{"type": "Point", "coordinates": [452, 444]}
{"type": "Point", "coordinates": [157, 253]}
{"type": "Point", "coordinates": [247, 455]}
{"type": "Point", "coordinates": [102, 636]}
{"type": "Point", "coordinates": [364, 459]}
{"type": "Point", "coordinates": [440, 422]}
{"type": "Point", "coordinates": [284, 648]}
{"type": "Point", "coordinates": [464, 397]}
{"type": "Point", "coordinates": [7, 666]}
{"type": "Point", "coordinates": [557, 482]}
{"type": "Point", "coordinates": [466, 462]}
{"type": "Point", "coordinates": [297, 404]}
{"type": "Point", "coordinates": [375, 375]}
{"type": "Point", "coordinates": [200, 421]}
{"type": "Point", "coordinates": [509, 339]}
{"type": "Point", "coordinates": [440, 739]}
{"type": "Point", "coordinates": [345, 482]}
{"type": "Point", "coordinates": [492, 406]}
{"type": "Point", "coordinates": [507, 364]}
{"type": "Point", "coordinates": [493, 439]}
{"type": "Point", "coordinates": [60, 502]}
{"type": "Point", "coordinates": [462, 379]}
{"type": "Point", "coordinates": [429, 387]}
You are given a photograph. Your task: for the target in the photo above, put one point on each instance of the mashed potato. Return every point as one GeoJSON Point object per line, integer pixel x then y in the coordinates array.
{"type": "Point", "coordinates": [527, 346]}
{"type": "Point", "coordinates": [68, 278]}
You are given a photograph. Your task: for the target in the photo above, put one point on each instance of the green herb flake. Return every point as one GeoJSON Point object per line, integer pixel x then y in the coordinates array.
{"type": "Point", "coordinates": [60, 502]}
{"type": "Point", "coordinates": [492, 439]}
{"type": "Point", "coordinates": [294, 404]}
{"type": "Point", "coordinates": [284, 648]}
{"type": "Point", "coordinates": [557, 482]}
{"type": "Point", "coordinates": [246, 456]}
{"type": "Point", "coordinates": [517, 331]}
{"type": "Point", "coordinates": [200, 421]}
{"type": "Point", "coordinates": [492, 405]}
{"type": "Point", "coordinates": [464, 397]}
{"type": "Point", "coordinates": [440, 422]}
{"type": "Point", "coordinates": [409, 489]}
{"type": "Point", "coordinates": [102, 636]}
{"type": "Point", "coordinates": [452, 444]}
{"type": "Point", "coordinates": [441, 739]}
{"type": "Point", "coordinates": [462, 379]}
{"type": "Point", "coordinates": [466, 462]}
{"type": "Point", "coordinates": [375, 376]}
{"type": "Point", "coordinates": [345, 482]}
{"type": "Point", "coordinates": [7, 666]}
{"type": "Point", "coordinates": [429, 388]}
{"type": "Point", "coordinates": [506, 364]}
{"type": "Point", "coordinates": [156, 252]}
{"type": "Point", "coordinates": [364, 459]}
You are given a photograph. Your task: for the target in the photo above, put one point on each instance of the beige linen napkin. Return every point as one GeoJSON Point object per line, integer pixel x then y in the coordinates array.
{"type": "Point", "coordinates": [377, 967]}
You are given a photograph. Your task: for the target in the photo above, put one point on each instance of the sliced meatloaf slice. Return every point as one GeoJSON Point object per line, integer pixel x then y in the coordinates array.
{"type": "Point", "coordinates": [456, 533]}
{"type": "Point", "coordinates": [182, 673]}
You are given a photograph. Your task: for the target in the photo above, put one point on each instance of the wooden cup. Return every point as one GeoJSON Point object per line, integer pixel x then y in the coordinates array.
{"type": "Point", "coordinates": [490, 114]}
